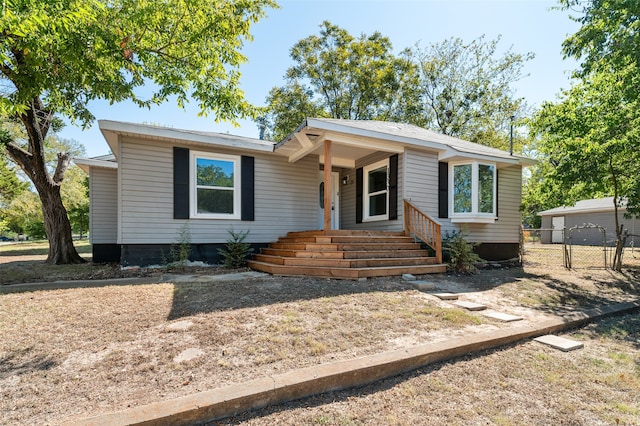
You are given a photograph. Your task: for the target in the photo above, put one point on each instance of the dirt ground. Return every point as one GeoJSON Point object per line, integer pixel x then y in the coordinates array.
{"type": "Point", "coordinates": [71, 353]}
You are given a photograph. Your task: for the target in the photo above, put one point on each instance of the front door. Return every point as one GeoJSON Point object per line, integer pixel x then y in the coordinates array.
{"type": "Point", "coordinates": [335, 211]}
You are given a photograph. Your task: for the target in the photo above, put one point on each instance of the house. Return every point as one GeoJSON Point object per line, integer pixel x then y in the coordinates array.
{"type": "Point", "coordinates": [380, 179]}
{"type": "Point", "coordinates": [598, 212]}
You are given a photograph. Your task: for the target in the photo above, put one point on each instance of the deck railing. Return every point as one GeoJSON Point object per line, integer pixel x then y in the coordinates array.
{"type": "Point", "coordinates": [423, 227]}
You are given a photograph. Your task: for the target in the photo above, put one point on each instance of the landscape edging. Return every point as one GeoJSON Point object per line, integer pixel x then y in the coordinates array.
{"type": "Point", "coordinates": [236, 398]}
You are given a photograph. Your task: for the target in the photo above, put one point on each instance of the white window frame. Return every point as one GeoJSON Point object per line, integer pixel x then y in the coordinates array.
{"type": "Point", "coordinates": [237, 197]}
{"type": "Point", "coordinates": [474, 216]}
{"type": "Point", "coordinates": [366, 216]}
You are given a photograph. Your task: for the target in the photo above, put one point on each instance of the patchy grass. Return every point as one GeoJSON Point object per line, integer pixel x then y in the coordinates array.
{"type": "Point", "coordinates": [101, 349]}
{"type": "Point", "coordinates": [23, 262]}
{"type": "Point", "coordinates": [526, 383]}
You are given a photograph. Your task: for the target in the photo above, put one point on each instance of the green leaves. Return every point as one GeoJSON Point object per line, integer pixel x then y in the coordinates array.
{"type": "Point", "coordinates": [340, 76]}
{"type": "Point", "coordinates": [455, 88]}
{"type": "Point", "coordinates": [69, 52]}
{"type": "Point", "coordinates": [465, 90]}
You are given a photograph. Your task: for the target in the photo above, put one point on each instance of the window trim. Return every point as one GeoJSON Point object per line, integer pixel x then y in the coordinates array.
{"type": "Point", "coordinates": [366, 217]}
{"type": "Point", "coordinates": [474, 216]}
{"type": "Point", "coordinates": [237, 181]}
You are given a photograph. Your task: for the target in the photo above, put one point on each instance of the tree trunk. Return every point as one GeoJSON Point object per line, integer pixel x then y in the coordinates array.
{"type": "Point", "coordinates": [57, 226]}
{"type": "Point", "coordinates": [36, 122]}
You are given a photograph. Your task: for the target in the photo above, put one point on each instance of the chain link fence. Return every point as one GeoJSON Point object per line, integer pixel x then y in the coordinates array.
{"type": "Point", "coordinates": [586, 246]}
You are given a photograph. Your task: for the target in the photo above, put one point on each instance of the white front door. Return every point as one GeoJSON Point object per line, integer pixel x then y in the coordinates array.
{"type": "Point", "coordinates": [557, 223]}
{"type": "Point", "coordinates": [335, 204]}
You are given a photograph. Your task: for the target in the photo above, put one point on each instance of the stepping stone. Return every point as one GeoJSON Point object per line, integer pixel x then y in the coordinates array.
{"type": "Point", "coordinates": [501, 316]}
{"type": "Point", "coordinates": [188, 355]}
{"type": "Point", "coordinates": [179, 325]}
{"type": "Point", "coordinates": [423, 285]}
{"type": "Point", "coordinates": [559, 343]}
{"type": "Point", "coordinates": [446, 296]}
{"type": "Point", "coordinates": [408, 277]}
{"type": "Point", "coordinates": [470, 306]}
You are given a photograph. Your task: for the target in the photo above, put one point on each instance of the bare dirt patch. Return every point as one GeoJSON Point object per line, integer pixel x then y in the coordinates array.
{"type": "Point", "coordinates": [72, 353]}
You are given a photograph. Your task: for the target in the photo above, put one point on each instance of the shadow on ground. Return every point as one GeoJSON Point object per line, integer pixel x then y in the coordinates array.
{"type": "Point", "coordinates": [197, 298]}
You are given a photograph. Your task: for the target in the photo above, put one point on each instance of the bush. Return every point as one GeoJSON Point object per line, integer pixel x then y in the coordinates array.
{"type": "Point", "coordinates": [460, 254]}
{"type": "Point", "coordinates": [237, 251]}
{"type": "Point", "coordinates": [181, 249]}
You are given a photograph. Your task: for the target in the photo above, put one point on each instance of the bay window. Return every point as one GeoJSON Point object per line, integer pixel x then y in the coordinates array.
{"type": "Point", "coordinates": [473, 192]}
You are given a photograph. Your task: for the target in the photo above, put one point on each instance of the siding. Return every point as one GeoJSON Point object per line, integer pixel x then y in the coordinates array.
{"type": "Point", "coordinates": [348, 197]}
{"type": "Point", "coordinates": [421, 179]}
{"type": "Point", "coordinates": [285, 197]}
{"type": "Point", "coordinates": [103, 214]}
{"type": "Point", "coordinates": [604, 219]}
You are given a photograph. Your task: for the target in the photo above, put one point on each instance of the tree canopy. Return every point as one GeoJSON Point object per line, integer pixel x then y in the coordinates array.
{"type": "Point", "coordinates": [466, 90]}
{"type": "Point", "coordinates": [58, 55]}
{"type": "Point", "coordinates": [338, 75]}
{"type": "Point", "coordinates": [456, 88]}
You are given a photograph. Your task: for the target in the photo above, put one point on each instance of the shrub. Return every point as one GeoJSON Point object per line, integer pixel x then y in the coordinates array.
{"type": "Point", "coordinates": [459, 252]}
{"type": "Point", "coordinates": [181, 249]}
{"type": "Point", "coordinates": [237, 251]}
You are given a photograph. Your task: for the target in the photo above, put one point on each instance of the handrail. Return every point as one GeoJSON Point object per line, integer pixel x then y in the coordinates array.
{"type": "Point", "coordinates": [423, 227]}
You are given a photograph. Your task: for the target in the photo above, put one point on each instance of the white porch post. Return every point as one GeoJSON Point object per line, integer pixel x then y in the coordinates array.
{"type": "Point", "coordinates": [327, 187]}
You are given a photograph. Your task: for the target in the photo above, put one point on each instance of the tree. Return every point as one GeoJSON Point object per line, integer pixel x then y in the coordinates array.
{"type": "Point", "coordinates": [591, 140]}
{"type": "Point", "coordinates": [467, 92]}
{"type": "Point", "coordinates": [58, 55]}
{"type": "Point", "coordinates": [608, 38]}
{"type": "Point", "coordinates": [337, 75]}
{"type": "Point", "coordinates": [10, 185]}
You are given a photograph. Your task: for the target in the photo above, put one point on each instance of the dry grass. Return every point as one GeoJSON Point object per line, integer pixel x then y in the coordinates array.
{"type": "Point", "coordinates": [70, 353]}
{"type": "Point", "coordinates": [524, 384]}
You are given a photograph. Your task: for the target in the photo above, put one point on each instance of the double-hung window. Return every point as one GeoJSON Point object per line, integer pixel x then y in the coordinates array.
{"type": "Point", "coordinates": [473, 192]}
{"type": "Point", "coordinates": [216, 186]}
{"type": "Point", "coordinates": [376, 191]}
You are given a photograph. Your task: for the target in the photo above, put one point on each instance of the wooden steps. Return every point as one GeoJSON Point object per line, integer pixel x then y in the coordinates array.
{"type": "Point", "coordinates": [345, 254]}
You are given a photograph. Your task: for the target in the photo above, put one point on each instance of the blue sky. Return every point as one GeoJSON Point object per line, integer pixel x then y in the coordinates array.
{"type": "Point", "coordinates": [525, 25]}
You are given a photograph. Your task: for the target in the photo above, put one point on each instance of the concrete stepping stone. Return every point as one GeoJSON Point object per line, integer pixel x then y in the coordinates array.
{"type": "Point", "coordinates": [188, 355]}
{"type": "Point", "coordinates": [180, 325]}
{"type": "Point", "coordinates": [560, 343]}
{"type": "Point", "coordinates": [501, 316]}
{"type": "Point", "coordinates": [445, 296]}
{"type": "Point", "coordinates": [470, 306]}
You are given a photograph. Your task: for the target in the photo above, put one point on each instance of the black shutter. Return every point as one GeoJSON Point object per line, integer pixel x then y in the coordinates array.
{"type": "Point", "coordinates": [393, 187]}
{"type": "Point", "coordinates": [443, 190]}
{"type": "Point", "coordinates": [359, 179]}
{"type": "Point", "coordinates": [247, 188]}
{"type": "Point", "coordinates": [180, 183]}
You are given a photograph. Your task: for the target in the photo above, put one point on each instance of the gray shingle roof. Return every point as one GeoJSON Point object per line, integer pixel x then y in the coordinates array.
{"type": "Point", "coordinates": [593, 205]}
{"type": "Point", "coordinates": [418, 134]}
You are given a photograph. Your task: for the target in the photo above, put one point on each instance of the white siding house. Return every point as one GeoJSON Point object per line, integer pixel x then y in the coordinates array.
{"type": "Point", "coordinates": [161, 181]}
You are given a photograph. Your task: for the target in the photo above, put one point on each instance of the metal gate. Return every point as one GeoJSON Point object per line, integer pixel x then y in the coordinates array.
{"type": "Point", "coordinates": [585, 246]}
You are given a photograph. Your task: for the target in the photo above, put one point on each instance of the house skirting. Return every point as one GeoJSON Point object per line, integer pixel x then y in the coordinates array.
{"type": "Point", "coordinates": [159, 254]}
{"type": "Point", "coordinates": [498, 251]}
{"type": "Point", "coordinates": [106, 253]}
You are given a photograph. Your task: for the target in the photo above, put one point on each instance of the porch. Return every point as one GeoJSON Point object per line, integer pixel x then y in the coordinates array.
{"type": "Point", "coordinates": [353, 254]}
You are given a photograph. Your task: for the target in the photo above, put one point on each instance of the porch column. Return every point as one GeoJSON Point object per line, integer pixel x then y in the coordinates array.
{"type": "Point", "coordinates": [327, 187]}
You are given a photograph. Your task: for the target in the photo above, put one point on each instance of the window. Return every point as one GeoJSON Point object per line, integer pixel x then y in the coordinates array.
{"type": "Point", "coordinates": [376, 191]}
{"type": "Point", "coordinates": [473, 195]}
{"type": "Point", "coordinates": [216, 186]}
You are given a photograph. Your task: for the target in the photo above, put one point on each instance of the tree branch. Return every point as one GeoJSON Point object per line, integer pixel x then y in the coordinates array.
{"type": "Point", "coordinates": [20, 156]}
{"type": "Point", "coordinates": [64, 158]}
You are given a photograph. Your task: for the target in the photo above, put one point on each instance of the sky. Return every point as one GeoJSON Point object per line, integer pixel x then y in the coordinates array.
{"type": "Point", "coordinates": [524, 25]}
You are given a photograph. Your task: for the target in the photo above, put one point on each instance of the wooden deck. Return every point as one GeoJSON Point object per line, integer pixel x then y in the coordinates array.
{"type": "Point", "coordinates": [346, 254]}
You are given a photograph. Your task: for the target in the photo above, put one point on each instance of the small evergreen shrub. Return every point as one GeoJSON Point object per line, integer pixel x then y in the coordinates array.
{"type": "Point", "coordinates": [181, 249]}
{"type": "Point", "coordinates": [237, 251]}
{"type": "Point", "coordinates": [459, 253]}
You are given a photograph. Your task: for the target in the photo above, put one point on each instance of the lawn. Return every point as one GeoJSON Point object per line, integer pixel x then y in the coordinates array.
{"type": "Point", "coordinates": [69, 353]}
